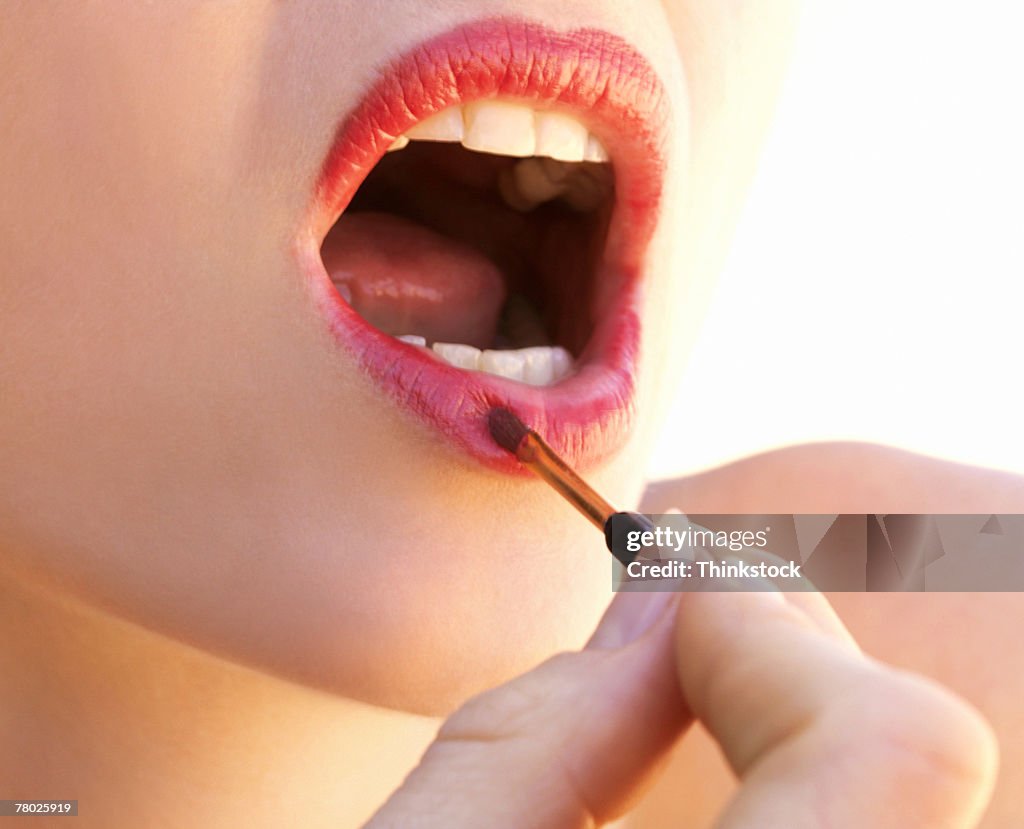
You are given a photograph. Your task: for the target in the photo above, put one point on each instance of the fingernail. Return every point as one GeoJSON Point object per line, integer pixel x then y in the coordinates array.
{"type": "Point", "coordinates": [751, 584]}
{"type": "Point", "coordinates": [630, 615]}
{"type": "Point", "coordinates": [755, 586]}
{"type": "Point", "coordinates": [789, 583]}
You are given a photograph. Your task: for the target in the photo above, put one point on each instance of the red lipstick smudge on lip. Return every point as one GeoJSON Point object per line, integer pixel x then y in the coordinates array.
{"type": "Point", "coordinates": [606, 83]}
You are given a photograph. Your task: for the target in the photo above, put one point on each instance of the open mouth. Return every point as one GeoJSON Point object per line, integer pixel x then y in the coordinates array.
{"type": "Point", "coordinates": [479, 233]}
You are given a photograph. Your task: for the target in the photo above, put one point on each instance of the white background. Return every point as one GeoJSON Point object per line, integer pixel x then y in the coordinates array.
{"type": "Point", "coordinates": [875, 286]}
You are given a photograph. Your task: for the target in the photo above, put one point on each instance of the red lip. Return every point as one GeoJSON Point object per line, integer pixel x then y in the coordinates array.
{"type": "Point", "coordinates": [606, 83]}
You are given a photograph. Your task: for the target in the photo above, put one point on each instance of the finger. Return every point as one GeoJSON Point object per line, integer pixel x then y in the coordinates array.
{"type": "Point", "coordinates": [572, 743]}
{"type": "Point", "coordinates": [629, 615]}
{"type": "Point", "coordinates": [820, 613]}
{"type": "Point", "coordinates": [819, 734]}
{"type": "Point", "coordinates": [812, 603]}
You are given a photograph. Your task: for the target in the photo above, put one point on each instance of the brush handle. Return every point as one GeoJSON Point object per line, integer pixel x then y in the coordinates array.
{"type": "Point", "coordinates": [625, 522]}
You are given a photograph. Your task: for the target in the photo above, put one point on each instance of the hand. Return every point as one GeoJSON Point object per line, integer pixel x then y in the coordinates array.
{"type": "Point", "coordinates": [817, 733]}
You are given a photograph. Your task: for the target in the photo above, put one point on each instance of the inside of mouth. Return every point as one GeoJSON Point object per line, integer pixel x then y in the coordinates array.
{"type": "Point", "coordinates": [445, 245]}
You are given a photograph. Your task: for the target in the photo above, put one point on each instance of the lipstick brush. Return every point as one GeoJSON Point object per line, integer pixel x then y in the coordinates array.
{"type": "Point", "coordinates": [514, 436]}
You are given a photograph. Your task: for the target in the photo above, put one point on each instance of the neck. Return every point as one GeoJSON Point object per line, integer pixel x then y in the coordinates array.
{"type": "Point", "coordinates": [145, 731]}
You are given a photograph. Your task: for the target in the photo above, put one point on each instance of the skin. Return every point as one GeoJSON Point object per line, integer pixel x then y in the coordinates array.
{"type": "Point", "coordinates": [185, 507]}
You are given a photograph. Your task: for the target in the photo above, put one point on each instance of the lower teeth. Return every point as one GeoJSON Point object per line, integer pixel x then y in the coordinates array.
{"type": "Point", "coordinates": [535, 366]}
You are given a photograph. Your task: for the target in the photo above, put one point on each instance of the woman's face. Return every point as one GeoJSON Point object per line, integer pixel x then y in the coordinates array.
{"type": "Point", "coordinates": [206, 425]}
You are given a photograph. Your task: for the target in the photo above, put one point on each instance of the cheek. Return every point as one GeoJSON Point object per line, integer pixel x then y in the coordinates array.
{"type": "Point", "coordinates": [733, 57]}
{"type": "Point", "coordinates": [143, 316]}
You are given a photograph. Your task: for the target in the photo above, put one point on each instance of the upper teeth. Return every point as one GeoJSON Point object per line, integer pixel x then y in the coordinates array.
{"type": "Point", "coordinates": [535, 366]}
{"type": "Point", "coordinates": [506, 128]}
{"type": "Point", "coordinates": [446, 125]}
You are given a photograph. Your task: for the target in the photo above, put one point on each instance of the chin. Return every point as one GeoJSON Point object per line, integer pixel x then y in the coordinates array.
{"type": "Point", "coordinates": [473, 580]}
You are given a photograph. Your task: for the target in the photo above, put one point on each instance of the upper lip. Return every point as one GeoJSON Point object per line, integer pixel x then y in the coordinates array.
{"type": "Point", "coordinates": [608, 84]}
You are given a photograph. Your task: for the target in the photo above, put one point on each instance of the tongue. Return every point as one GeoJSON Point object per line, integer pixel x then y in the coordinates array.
{"type": "Point", "coordinates": [405, 279]}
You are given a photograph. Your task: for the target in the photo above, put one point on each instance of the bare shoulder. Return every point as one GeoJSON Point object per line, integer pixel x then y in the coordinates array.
{"type": "Point", "coordinates": [840, 477]}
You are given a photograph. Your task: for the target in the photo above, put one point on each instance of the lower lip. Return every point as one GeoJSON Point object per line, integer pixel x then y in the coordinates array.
{"type": "Point", "coordinates": [587, 417]}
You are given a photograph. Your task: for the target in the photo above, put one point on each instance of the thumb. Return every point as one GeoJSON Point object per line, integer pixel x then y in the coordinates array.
{"type": "Point", "coordinates": [572, 743]}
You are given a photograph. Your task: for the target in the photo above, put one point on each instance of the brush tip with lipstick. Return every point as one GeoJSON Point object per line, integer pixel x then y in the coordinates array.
{"type": "Point", "coordinates": [515, 437]}
{"type": "Point", "coordinates": [507, 430]}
